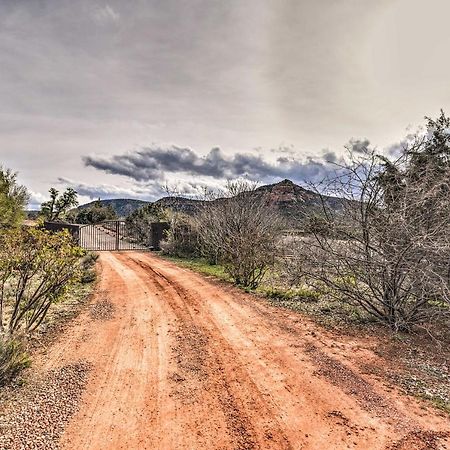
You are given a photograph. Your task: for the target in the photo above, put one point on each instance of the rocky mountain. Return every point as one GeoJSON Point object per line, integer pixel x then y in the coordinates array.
{"type": "Point", "coordinates": [292, 200]}
{"type": "Point", "coordinates": [295, 202]}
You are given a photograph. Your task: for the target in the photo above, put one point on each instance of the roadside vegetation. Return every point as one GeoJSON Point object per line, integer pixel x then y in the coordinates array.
{"type": "Point", "coordinates": [38, 271]}
{"type": "Point", "coordinates": [13, 199]}
{"type": "Point", "coordinates": [234, 228]}
{"type": "Point", "coordinates": [95, 213]}
{"type": "Point", "coordinates": [388, 250]}
{"type": "Point", "coordinates": [59, 204]}
{"type": "Point", "coordinates": [383, 251]}
{"type": "Point", "coordinates": [377, 263]}
{"type": "Point", "coordinates": [138, 223]}
{"type": "Point", "coordinates": [62, 207]}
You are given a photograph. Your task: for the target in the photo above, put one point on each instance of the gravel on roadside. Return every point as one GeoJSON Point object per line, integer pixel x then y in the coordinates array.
{"type": "Point", "coordinates": [37, 413]}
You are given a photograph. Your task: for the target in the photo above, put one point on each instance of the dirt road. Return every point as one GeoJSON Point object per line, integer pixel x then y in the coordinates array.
{"type": "Point", "coordinates": [182, 362]}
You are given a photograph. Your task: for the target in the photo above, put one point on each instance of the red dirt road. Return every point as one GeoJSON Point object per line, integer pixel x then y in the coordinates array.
{"type": "Point", "coordinates": [188, 363]}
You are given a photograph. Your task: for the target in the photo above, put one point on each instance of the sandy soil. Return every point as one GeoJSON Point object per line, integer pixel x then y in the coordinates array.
{"type": "Point", "coordinates": [183, 362]}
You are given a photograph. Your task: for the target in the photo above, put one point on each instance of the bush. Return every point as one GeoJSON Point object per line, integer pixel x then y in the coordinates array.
{"type": "Point", "coordinates": [95, 213]}
{"type": "Point", "coordinates": [182, 239]}
{"type": "Point", "coordinates": [88, 273]}
{"type": "Point", "coordinates": [88, 261]}
{"type": "Point", "coordinates": [36, 268]}
{"type": "Point", "coordinates": [88, 276]}
{"type": "Point", "coordinates": [300, 294]}
{"type": "Point", "coordinates": [138, 223]}
{"type": "Point", "coordinates": [13, 199]}
{"type": "Point", "coordinates": [13, 359]}
{"type": "Point", "coordinates": [240, 230]}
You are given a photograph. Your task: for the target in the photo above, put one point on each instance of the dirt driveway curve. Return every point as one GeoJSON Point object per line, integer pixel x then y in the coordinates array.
{"type": "Point", "coordinates": [187, 363]}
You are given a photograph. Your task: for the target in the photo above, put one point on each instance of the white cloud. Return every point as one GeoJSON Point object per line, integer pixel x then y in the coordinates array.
{"type": "Point", "coordinates": [36, 199]}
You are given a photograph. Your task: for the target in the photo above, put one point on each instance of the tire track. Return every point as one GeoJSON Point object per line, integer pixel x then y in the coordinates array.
{"type": "Point", "coordinates": [216, 371]}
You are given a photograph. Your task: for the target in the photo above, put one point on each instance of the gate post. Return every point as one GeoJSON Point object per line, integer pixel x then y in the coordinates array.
{"type": "Point", "coordinates": [158, 233]}
{"type": "Point", "coordinates": [117, 235]}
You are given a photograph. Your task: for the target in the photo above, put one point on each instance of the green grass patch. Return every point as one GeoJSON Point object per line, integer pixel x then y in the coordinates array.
{"type": "Point", "coordinates": [200, 265]}
{"type": "Point", "coordinates": [437, 402]}
{"type": "Point", "coordinates": [430, 388]}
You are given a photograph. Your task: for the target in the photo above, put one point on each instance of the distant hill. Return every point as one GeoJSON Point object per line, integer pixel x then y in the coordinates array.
{"type": "Point", "coordinates": [182, 204]}
{"type": "Point", "coordinates": [292, 200]}
{"type": "Point", "coordinates": [295, 202]}
{"type": "Point", "coordinates": [122, 206]}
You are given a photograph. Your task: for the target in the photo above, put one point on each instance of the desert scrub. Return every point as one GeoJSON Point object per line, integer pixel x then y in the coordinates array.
{"type": "Point", "coordinates": [13, 359]}
{"type": "Point", "coordinates": [37, 268]}
{"type": "Point", "coordinates": [425, 378]}
{"type": "Point", "coordinates": [325, 310]}
{"type": "Point", "coordinates": [304, 299]}
{"type": "Point", "coordinates": [436, 393]}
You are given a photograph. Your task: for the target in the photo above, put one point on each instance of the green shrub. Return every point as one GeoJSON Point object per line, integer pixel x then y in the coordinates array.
{"type": "Point", "coordinates": [13, 359]}
{"type": "Point", "coordinates": [182, 238]}
{"type": "Point", "coordinates": [89, 259]}
{"type": "Point", "coordinates": [36, 269]}
{"type": "Point", "coordinates": [88, 276]}
{"type": "Point", "coordinates": [13, 199]}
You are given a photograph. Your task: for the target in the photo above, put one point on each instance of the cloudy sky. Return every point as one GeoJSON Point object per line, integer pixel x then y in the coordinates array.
{"type": "Point", "coordinates": [119, 98]}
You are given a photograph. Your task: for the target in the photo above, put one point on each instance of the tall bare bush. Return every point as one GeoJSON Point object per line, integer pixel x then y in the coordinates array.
{"type": "Point", "coordinates": [388, 249]}
{"type": "Point", "coordinates": [238, 228]}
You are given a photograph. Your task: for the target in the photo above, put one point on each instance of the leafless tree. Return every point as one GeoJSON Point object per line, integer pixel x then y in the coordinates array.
{"type": "Point", "coordinates": [387, 249]}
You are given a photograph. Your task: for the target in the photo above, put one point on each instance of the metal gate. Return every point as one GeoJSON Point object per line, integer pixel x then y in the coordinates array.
{"type": "Point", "coordinates": [111, 235]}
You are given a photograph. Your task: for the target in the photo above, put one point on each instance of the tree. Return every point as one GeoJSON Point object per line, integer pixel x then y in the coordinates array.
{"type": "Point", "coordinates": [240, 230]}
{"type": "Point", "coordinates": [387, 250]}
{"type": "Point", "coordinates": [95, 213]}
{"type": "Point", "coordinates": [13, 199]}
{"type": "Point", "coordinates": [59, 204]}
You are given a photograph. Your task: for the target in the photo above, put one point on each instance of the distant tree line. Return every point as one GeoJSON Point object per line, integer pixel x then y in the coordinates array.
{"type": "Point", "coordinates": [95, 213]}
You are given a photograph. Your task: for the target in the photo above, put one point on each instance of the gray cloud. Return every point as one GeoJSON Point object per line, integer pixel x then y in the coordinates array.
{"type": "Point", "coordinates": [88, 75]}
{"type": "Point", "coordinates": [141, 192]}
{"type": "Point", "coordinates": [153, 163]}
{"type": "Point", "coordinates": [149, 191]}
{"type": "Point", "coordinates": [330, 157]}
{"type": "Point", "coordinates": [358, 145]}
